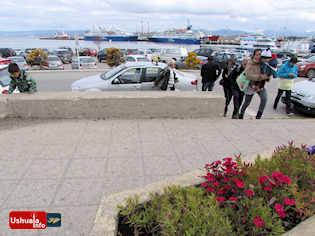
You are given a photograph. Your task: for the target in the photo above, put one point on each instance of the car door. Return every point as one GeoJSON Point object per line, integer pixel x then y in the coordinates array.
{"type": "Point", "coordinates": [128, 80]}
{"type": "Point", "coordinates": [150, 75]}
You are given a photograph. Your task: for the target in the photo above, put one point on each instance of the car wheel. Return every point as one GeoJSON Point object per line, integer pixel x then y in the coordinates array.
{"type": "Point", "coordinates": [310, 74]}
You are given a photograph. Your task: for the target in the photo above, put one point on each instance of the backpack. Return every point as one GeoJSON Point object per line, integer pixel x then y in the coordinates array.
{"type": "Point", "coordinates": [242, 82]}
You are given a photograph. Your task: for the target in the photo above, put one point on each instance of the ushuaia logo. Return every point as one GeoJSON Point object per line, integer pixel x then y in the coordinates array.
{"type": "Point", "coordinates": [28, 220]}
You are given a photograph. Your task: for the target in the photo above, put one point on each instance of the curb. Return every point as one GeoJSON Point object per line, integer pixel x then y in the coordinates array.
{"type": "Point", "coordinates": [106, 218]}
{"type": "Point", "coordinates": [60, 71]}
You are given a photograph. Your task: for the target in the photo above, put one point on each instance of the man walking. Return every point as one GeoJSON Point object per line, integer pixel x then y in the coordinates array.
{"type": "Point", "coordinates": [167, 78]}
{"type": "Point", "coordinates": [210, 72]}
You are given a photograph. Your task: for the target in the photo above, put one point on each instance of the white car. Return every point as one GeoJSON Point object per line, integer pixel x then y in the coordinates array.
{"type": "Point", "coordinates": [133, 76]}
{"type": "Point", "coordinates": [86, 62]}
{"type": "Point", "coordinates": [20, 61]}
{"type": "Point", "coordinates": [136, 58]}
{"type": "Point", "coordinates": [170, 53]}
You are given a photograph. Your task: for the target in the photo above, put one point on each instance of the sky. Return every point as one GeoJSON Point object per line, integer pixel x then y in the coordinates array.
{"type": "Point", "coordinates": [155, 15]}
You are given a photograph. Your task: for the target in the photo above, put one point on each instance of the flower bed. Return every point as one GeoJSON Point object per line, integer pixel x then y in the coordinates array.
{"type": "Point", "coordinates": [267, 197]}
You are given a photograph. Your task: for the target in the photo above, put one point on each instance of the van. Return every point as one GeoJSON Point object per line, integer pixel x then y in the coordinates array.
{"type": "Point", "coordinates": [173, 53]}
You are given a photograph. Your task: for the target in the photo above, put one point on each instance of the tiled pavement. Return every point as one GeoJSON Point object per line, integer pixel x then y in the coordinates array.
{"type": "Point", "coordinates": [66, 166]}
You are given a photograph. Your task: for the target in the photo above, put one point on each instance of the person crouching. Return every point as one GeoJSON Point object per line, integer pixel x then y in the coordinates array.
{"type": "Point", "coordinates": [20, 80]}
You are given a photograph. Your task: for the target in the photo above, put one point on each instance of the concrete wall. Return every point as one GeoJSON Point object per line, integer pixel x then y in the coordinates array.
{"type": "Point", "coordinates": [113, 105]}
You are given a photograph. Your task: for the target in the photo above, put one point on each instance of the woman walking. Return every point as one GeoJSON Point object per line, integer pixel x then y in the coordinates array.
{"type": "Point", "coordinates": [287, 73]}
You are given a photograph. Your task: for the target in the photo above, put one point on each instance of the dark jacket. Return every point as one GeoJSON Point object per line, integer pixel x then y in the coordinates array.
{"type": "Point", "coordinates": [162, 80]}
{"type": "Point", "coordinates": [25, 83]}
{"type": "Point", "coordinates": [210, 72]}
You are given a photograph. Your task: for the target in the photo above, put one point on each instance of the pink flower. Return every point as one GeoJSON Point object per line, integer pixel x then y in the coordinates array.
{"type": "Point", "coordinates": [220, 199]}
{"type": "Point", "coordinates": [262, 179]}
{"type": "Point", "coordinates": [211, 179]}
{"type": "Point", "coordinates": [279, 207]}
{"type": "Point", "coordinates": [227, 187]}
{"type": "Point", "coordinates": [249, 192]}
{"type": "Point", "coordinates": [227, 159]}
{"type": "Point", "coordinates": [225, 180]}
{"type": "Point", "coordinates": [204, 185]}
{"type": "Point", "coordinates": [259, 222]}
{"type": "Point", "coordinates": [210, 189]}
{"type": "Point", "coordinates": [289, 201]}
{"type": "Point", "coordinates": [244, 221]}
{"type": "Point", "coordinates": [282, 214]}
{"type": "Point", "coordinates": [216, 184]}
{"type": "Point", "coordinates": [267, 188]}
{"type": "Point", "coordinates": [221, 192]}
{"type": "Point", "coordinates": [234, 199]}
{"type": "Point", "coordinates": [285, 179]}
{"type": "Point", "coordinates": [240, 184]}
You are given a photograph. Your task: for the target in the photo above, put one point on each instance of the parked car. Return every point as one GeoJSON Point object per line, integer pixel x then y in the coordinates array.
{"type": "Point", "coordinates": [52, 63]}
{"type": "Point", "coordinates": [307, 67]}
{"type": "Point", "coordinates": [68, 49]}
{"type": "Point", "coordinates": [101, 56]}
{"type": "Point", "coordinates": [132, 76]}
{"type": "Point", "coordinates": [171, 53]}
{"type": "Point", "coordinates": [221, 58]}
{"type": "Point", "coordinates": [20, 61]}
{"type": "Point", "coordinates": [64, 55]}
{"type": "Point", "coordinates": [85, 63]}
{"type": "Point", "coordinates": [19, 52]}
{"type": "Point", "coordinates": [206, 52]}
{"type": "Point", "coordinates": [7, 52]}
{"type": "Point", "coordinates": [88, 52]}
{"type": "Point", "coordinates": [182, 65]}
{"type": "Point", "coordinates": [303, 96]}
{"type": "Point", "coordinates": [136, 58]}
{"type": "Point", "coordinates": [133, 52]}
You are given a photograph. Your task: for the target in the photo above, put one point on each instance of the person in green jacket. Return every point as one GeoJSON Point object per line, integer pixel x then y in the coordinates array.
{"type": "Point", "coordinates": [21, 80]}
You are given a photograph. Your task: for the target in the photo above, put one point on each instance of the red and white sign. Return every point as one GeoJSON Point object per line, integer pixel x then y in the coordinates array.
{"type": "Point", "coordinates": [28, 220]}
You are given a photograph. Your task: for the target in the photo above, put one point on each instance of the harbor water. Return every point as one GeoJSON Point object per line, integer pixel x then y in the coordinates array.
{"type": "Point", "coordinates": [34, 42]}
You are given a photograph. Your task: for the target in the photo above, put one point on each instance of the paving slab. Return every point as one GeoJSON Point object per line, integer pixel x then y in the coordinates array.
{"type": "Point", "coordinates": [67, 166]}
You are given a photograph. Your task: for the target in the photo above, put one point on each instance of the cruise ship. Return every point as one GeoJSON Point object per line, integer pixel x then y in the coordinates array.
{"type": "Point", "coordinates": [102, 33]}
{"type": "Point", "coordinates": [257, 41]}
{"type": "Point", "coordinates": [178, 36]}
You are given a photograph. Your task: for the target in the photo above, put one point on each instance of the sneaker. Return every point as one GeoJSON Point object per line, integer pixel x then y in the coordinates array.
{"type": "Point", "coordinates": [290, 114]}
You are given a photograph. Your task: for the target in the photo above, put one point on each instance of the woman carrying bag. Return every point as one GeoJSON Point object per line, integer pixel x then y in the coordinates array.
{"type": "Point", "coordinates": [287, 73]}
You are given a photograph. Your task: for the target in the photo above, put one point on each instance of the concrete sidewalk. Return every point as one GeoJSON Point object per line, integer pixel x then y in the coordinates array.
{"type": "Point", "coordinates": [66, 166]}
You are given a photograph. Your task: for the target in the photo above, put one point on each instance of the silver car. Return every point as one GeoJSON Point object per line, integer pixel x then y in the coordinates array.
{"type": "Point", "coordinates": [86, 62]}
{"type": "Point", "coordinates": [20, 61]}
{"type": "Point", "coordinates": [303, 96]}
{"type": "Point", "coordinates": [52, 63]}
{"type": "Point", "coordinates": [132, 76]}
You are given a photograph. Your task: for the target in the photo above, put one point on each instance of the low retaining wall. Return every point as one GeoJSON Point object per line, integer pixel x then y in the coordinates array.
{"type": "Point", "coordinates": [112, 105]}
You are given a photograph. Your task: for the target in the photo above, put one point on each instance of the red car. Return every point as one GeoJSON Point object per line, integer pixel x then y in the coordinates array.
{"type": "Point", "coordinates": [88, 52]}
{"type": "Point", "coordinates": [307, 67]}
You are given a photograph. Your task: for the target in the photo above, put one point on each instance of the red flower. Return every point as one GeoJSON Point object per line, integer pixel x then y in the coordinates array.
{"type": "Point", "coordinates": [267, 188]}
{"type": "Point", "coordinates": [285, 179]}
{"type": "Point", "coordinates": [222, 192]}
{"type": "Point", "coordinates": [220, 199]}
{"type": "Point", "coordinates": [227, 159]}
{"type": "Point", "coordinates": [204, 185]}
{"type": "Point", "coordinates": [259, 222]}
{"type": "Point", "coordinates": [240, 184]}
{"type": "Point", "coordinates": [227, 187]}
{"type": "Point", "coordinates": [210, 189]}
{"type": "Point", "coordinates": [279, 207]}
{"type": "Point", "coordinates": [211, 179]}
{"type": "Point", "coordinates": [233, 199]}
{"type": "Point", "coordinates": [282, 214]}
{"type": "Point", "coordinates": [225, 180]}
{"type": "Point", "coordinates": [249, 192]}
{"type": "Point", "coordinates": [262, 179]}
{"type": "Point", "coordinates": [244, 221]}
{"type": "Point", "coordinates": [216, 184]}
{"type": "Point", "coordinates": [289, 201]}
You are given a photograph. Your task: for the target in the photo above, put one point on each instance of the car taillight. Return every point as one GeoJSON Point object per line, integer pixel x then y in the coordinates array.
{"type": "Point", "coordinates": [5, 91]}
{"type": "Point", "coordinates": [195, 82]}
{"type": "Point", "coordinates": [25, 65]}
{"type": "Point", "coordinates": [80, 64]}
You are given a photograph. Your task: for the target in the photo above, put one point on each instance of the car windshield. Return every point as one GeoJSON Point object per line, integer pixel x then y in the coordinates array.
{"type": "Point", "coordinates": [4, 77]}
{"type": "Point", "coordinates": [61, 51]}
{"type": "Point", "coordinates": [53, 59]}
{"type": "Point", "coordinates": [87, 60]}
{"type": "Point", "coordinates": [171, 51]}
{"type": "Point", "coordinates": [17, 59]}
{"type": "Point", "coordinates": [311, 59]}
{"type": "Point", "coordinates": [113, 72]}
{"type": "Point", "coordinates": [142, 59]}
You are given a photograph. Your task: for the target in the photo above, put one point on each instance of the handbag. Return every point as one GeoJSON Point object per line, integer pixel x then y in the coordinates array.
{"type": "Point", "coordinates": [242, 82]}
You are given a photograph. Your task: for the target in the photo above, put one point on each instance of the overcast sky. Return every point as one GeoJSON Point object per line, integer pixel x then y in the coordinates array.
{"type": "Point", "coordinates": [251, 15]}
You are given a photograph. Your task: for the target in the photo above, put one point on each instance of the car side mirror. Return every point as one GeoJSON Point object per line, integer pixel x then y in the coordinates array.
{"type": "Point", "coordinates": [116, 81]}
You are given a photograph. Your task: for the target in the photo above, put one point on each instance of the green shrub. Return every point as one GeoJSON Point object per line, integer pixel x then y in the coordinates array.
{"type": "Point", "coordinates": [179, 211]}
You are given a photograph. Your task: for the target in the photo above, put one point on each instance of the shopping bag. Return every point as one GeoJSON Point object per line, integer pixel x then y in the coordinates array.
{"type": "Point", "coordinates": [242, 82]}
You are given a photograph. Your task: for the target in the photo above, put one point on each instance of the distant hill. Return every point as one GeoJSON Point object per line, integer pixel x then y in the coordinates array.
{"type": "Point", "coordinates": [39, 33]}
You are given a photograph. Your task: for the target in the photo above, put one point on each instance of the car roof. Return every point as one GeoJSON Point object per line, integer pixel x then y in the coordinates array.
{"type": "Point", "coordinates": [136, 56]}
{"type": "Point", "coordinates": [144, 64]}
{"type": "Point", "coordinates": [15, 57]}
